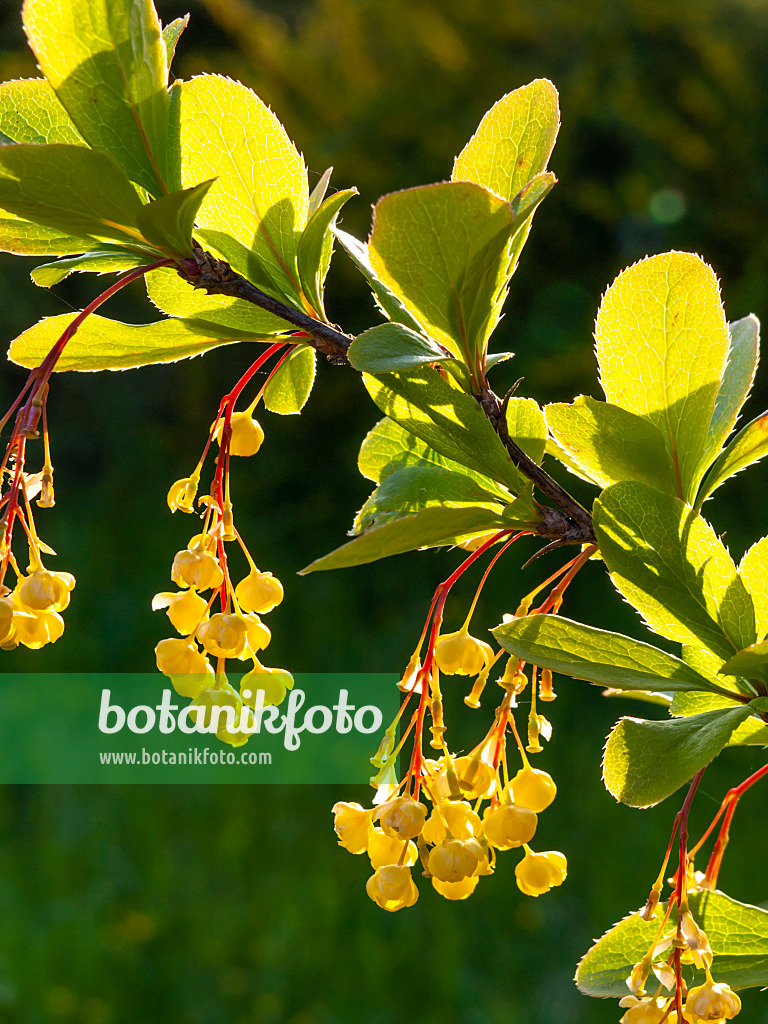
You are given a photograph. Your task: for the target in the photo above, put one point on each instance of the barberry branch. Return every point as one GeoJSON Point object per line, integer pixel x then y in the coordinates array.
{"type": "Point", "coordinates": [568, 523]}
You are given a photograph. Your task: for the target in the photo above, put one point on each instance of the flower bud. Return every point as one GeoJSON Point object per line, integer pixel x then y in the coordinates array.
{"type": "Point", "coordinates": [456, 890]}
{"type": "Point", "coordinates": [458, 816]}
{"type": "Point", "coordinates": [38, 629]}
{"type": "Point", "coordinates": [222, 708]}
{"type": "Point", "coordinates": [196, 568]}
{"type": "Point", "coordinates": [259, 592]}
{"type": "Point", "coordinates": [246, 437]}
{"type": "Point", "coordinates": [533, 788]}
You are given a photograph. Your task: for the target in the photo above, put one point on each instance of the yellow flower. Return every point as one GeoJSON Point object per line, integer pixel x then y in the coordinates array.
{"type": "Point", "coordinates": [509, 825]}
{"type": "Point", "coordinates": [647, 1010]}
{"type": "Point", "coordinates": [712, 1001]}
{"type": "Point", "coordinates": [458, 816]}
{"type": "Point", "coordinates": [259, 592]}
{"type": "Point", "coordinates": [462, 654]}
{"type": "Point", "coordinates": [45, 591]}
{"type": "Point", "coordinates": [354, 826]}
{"type": "Point", "coordinates": [533, 788]}
{"type": "Point", "coordinates": [186, 609]}
{"type": "Point", "coordinates": [392, 888]}
{"type": "Point", "coordinates": [38, 629]}
{"type": "Point", "coordinates": [455, 859]}
{"type": "Point", "coordinates": [221, 706]}
{"type": "Point", "coordinates": [273, 681]}
{"type": "Point", "coordinates": [384, 849]}
{"type": "Point", "coordinates": [402, 817]}
{"type": "Point", "coordinates": [224, 635]}
{"type": "Point", "coordinates": [196, 568]}
{"type": "Point", "coordinates": [537, 873]}
{"type": "Point", "coordinates": [181, 496]}
{"type": "Point", "coordinates": [189, 670]}
{"type": "Point", "coordinates": [456, 890]}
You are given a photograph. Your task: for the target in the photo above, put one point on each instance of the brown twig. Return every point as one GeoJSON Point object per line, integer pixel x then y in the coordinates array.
{"type": "Point", "coordinates": [568, 523]}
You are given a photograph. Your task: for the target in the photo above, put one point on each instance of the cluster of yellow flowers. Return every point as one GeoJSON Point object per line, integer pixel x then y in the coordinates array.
{"type": "Point", "coordinates": [30, 613]}
{"type": "Point", "coordinates": [476, 809]}
{"type": "Point", "coordinates": [236, 630]}
{"type": "Point", "coordinates": [713, 1001]}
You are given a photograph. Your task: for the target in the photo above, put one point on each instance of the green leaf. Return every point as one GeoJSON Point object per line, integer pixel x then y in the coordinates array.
{"type": "Point", "coordinates": [753, 732]}
{"type": "Point", "coordinates": [30, 111]}
{"type": "Point", "coordinates": [317, 195]}
{"type": "Point", "coordinates": [415, 487]}
{"type": "Point", "coordinates": [611, 444]}
{"type": "Point", "coordinates": [749, 445]}
{"type": "Point", "coordinates": [753, 570]}
{"type": "Point", "coordinates": [316, 245]}
{"type": "Point", "coordinates": [513, 142]}
{"type": "Point", "coordinates": [102, 344]}
{"type": "Point", "coordinates": [645, 762]}
{"type": "Point", "coordinates": [105, 262]}
{"type": "Point", "coordinates": [388, 447]}
{"type": "Point", "coordinates": [737, 932]}
{"type": "Point", "coordinates": [168, 222]}
{"type": "Point", "coordinates": [429, 528]}
{"type": "Point", "coordinates": [608, 659]}
{"type": "Point", "coordinates": [24, 238]}
{"type": "Point", "coordinates": [566, 459]}
{"type": "Point", "coordinates": [743, 353]}
{"type": "Point", "coordinates": [389, 304]}
{"type": "Point", "coordinates": [668, 562]}
{"type": "Point", "coordinates": [527, 427]}
{"type": "Point", "coordinates": [447, 419]}
{"type": "Point", "coordinates": [442, 249]}
{"type": "Point", "coordinates": [175, 297]}
{"type": "Point", "coordinates": [391, 347]}
{"type": "Point", "coordinates": [662, 342]}
{"type": "Point", "coordinates": [497, 357]}
{"type": "Point", "coordinates": [751, 663]}
{"type": "Point", "coordinates": [107, 62]}
{"type": "Point", "coordinates": [289, 389]}
{"type": "Point", "coordinates": [171, 35]}
{"type": "Point", "coordinates": [260, 195]}
{"type": "Point", "coordinates": [72, 189]}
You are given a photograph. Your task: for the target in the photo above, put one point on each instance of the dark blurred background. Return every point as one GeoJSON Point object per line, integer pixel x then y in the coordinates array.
{"type": "Point", "coordinates": [234, 905]}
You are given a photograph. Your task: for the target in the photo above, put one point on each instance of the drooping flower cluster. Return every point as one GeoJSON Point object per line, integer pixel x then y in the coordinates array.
{"type": "Point", "coordinates": [454, 814]}
{"type": "Point", "coordinates": [216, 619]}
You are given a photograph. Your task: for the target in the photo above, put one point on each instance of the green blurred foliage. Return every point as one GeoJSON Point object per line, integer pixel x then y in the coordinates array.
{"type": "Point", "coordinates": [232, 905]}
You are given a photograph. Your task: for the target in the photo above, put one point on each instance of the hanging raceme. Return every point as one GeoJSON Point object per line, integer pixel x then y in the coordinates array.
{"type": "Point", "coordinates": [202, 194]}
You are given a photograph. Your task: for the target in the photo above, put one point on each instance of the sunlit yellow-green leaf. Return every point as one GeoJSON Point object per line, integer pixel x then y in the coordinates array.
{"type": "Point", "coordinates": [175, 297]}
{"type": "Point", "coordinates": [609, 443]}
{"type": "Point", "coordinates": [107, 62]}
{"type": "Point", "coordinates": [753, 570]}
{"type": "Point", "coordinates": [260, 196]}
{"type": "Point", "coordinates": [513, 142]}
{"type": "Point", "coordinates": [290, 387]}
{"type": "Point", "coordinates": [662, 342]}
{"type": "Point", "coordinates": [442, 250]}
{"type": "Point", "coordinates": [30, 111]}
{"type": "Point", "coordinates": [669, 563]}
{"type": "Point", "coordinates": [102, 344]}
